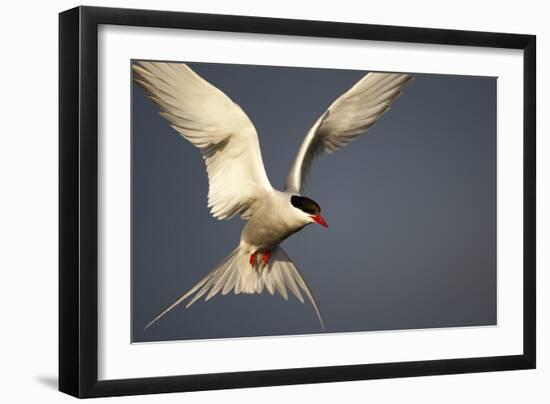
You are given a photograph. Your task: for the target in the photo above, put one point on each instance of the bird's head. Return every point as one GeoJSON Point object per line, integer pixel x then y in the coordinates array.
{"type": "Point", "coordinates": [309, 210]}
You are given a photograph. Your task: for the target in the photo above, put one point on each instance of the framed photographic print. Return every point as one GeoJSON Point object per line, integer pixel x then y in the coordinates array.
{"type": "Point", "coordinates": [251, 201]}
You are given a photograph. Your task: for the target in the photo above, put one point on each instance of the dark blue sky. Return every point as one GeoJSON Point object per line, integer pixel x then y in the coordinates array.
{"type": "Point", "coordinates": [411, 207]}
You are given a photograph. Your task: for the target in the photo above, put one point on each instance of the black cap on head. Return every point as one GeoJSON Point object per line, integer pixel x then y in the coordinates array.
{"type": "Point", "coordinates": [306, 205]}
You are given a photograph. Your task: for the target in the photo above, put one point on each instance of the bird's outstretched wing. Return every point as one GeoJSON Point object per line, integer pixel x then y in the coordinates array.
{"type": "Point", "coordinates": [351, 115]}
{"type": "Point", "coordinates": [211, 121]}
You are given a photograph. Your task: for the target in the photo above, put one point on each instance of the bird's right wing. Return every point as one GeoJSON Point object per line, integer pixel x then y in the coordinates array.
{"type": "Point", "coordinates": [351, 115]}
{"type": "Point", "coordinates": [211, 121]}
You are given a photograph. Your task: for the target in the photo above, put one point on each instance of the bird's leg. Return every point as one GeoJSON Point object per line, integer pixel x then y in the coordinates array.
{"type": "Point", "coordinates": [252, 259]}
{"type": "Point", "coordinates": [265, 257]}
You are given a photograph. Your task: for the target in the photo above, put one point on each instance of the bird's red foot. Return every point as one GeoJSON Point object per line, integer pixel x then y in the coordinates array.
{"type": "Point", "coordinates": [252, 259]}
{"type": "Point", "coordinates": [265, 257]}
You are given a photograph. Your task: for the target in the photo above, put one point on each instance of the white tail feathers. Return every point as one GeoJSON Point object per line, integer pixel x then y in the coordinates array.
{"type": "Point", "coordinates": [235, 273]}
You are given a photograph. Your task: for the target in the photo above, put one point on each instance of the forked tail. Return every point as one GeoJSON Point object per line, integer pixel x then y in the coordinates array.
{"type": "Point", "coordinates": [235, 273]}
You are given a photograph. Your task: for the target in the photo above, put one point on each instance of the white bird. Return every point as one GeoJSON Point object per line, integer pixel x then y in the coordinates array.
{"type": "Point", "coordinates": [238, 183]}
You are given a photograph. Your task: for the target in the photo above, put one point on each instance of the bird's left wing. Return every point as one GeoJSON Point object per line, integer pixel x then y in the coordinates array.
{"type": "Point", "coordinates": [212, 122]}
{"type": "Point", "coordinates": [351, 115]}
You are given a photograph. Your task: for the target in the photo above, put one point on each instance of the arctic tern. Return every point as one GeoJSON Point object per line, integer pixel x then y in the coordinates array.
{"type": "Point", "coordinates": [238, 183]}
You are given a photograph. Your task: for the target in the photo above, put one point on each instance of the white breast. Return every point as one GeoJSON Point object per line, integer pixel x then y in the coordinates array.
{"type": "Point", "coordinates": [273, 222]}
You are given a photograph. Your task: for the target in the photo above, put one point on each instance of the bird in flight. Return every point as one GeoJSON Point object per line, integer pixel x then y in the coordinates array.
{"type": "Point", "coordinates": [238, 183]}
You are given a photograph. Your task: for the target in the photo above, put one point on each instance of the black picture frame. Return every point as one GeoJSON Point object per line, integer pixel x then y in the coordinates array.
{"type": "Point", "coordinates": [78, 201]}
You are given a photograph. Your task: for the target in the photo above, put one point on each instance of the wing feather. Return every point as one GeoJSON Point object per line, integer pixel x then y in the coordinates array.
{"type": "Point", "coordinates": [351, 115]}
{"type": "Point", "coordinates": [212, 122]}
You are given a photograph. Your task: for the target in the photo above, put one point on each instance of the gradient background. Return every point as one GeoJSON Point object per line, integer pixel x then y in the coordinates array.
{"type": "Point", "coordinates": [411, 208]}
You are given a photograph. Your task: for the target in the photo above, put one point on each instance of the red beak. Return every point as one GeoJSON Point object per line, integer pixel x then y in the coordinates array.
{"type": "Point", "coordinates": [319, 219]}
